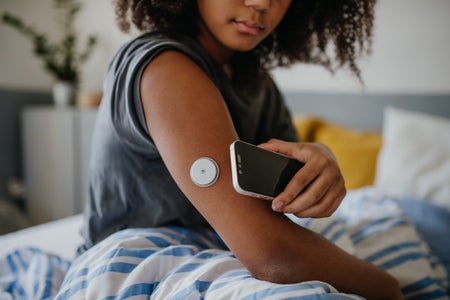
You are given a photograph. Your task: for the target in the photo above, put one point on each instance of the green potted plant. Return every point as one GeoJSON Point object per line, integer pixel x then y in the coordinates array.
{"type": "Point", "coordinates": [61, 59]}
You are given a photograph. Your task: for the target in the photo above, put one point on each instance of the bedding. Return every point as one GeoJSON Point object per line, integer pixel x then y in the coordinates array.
{"type": "Point", "coordinates": [60, 237]}
{"type": "Point", "coordinates": [432, 223]}
{"type": "Point", "coordinates": [178, 263]}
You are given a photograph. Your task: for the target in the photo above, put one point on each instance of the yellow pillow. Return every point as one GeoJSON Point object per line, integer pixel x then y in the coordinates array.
{"type": "Point", "coordinates": [306, 125]}
{"type": "Point", "coordinates": [356, 151]}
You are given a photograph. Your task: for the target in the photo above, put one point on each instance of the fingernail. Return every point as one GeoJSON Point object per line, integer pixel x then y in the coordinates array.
{"type": "Point", "coordinates": [277, 206]}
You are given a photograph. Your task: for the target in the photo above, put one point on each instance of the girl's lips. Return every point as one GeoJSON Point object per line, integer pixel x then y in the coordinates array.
{"type": "Point", "coordinates": [248, 27]}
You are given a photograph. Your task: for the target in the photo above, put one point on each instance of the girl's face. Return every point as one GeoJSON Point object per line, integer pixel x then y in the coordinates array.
{"type": "Point", "coordinates": [227, 26]}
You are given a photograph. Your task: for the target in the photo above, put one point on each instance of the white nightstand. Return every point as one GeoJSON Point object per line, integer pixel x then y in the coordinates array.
{"type": "Point", "coordinates": [56, 148]}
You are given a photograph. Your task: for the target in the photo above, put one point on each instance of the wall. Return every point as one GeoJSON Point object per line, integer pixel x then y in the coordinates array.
{"type": "Point", "coordinates": [24, 71]}
{"type": "Point", "coordinates": [412, 42]}
{"type": "Point", "coordinates": [410, 53]}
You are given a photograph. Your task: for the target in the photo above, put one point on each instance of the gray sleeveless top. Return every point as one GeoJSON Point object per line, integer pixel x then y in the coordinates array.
{"type": "Point", "coordinates": [129, 185]}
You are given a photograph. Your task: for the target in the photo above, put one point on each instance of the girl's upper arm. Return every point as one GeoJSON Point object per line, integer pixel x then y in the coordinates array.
{"type": "Point", "coordinates": [188, 119]}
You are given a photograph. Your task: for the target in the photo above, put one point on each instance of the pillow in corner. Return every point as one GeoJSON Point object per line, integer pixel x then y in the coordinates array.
{"type": "Point", "coordinates": [415, 156]}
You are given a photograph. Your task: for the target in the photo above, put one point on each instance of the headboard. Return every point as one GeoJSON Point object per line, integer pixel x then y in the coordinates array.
{"type": "Point", "coordinates": [364, 111]}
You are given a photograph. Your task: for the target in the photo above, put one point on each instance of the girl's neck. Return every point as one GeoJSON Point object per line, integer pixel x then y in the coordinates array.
{"type": "Point", "coordinates": [218, 52]}
{"type": "Point", "coordinates": [228, 70]}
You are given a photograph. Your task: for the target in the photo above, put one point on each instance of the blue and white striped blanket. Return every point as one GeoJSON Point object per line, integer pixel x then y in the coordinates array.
{"type": "Point", "coordinates": [179, 263]}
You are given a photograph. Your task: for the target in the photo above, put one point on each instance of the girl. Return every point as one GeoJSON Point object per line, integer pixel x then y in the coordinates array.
{"type": "Point", "coordinates": [195, 81]}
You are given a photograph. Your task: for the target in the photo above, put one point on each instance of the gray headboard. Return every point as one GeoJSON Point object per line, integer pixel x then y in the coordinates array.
{"type": "Point", "coordinates": [364, 111]}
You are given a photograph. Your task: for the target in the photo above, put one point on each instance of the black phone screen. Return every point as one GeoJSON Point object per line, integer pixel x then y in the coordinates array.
{"type": "Point", "coordinates": [263, 172]}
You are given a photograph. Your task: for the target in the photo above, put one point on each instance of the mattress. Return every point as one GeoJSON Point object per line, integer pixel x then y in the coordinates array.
{"type": "Point", "coordinates": [60, 237]}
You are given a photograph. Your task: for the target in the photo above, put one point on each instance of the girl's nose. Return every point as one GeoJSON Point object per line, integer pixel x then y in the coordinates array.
{"type": "Point", "coordinates": [260, 5]}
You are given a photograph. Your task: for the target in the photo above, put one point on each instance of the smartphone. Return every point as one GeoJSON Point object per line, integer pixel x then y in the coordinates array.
{"type": "Point", "coordinates": [260, 173]}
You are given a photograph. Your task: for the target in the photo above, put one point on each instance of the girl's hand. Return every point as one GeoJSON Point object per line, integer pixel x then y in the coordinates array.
{"type": "Point", "coordinates": [317, 189]}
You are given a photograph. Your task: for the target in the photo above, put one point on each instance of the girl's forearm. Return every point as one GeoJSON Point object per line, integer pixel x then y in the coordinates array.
{"type": "Point", "coordinates": [303, 255]}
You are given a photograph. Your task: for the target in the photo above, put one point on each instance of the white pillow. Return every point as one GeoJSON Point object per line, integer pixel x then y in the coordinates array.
{"type": "Point", "coordinates": [414, 160]}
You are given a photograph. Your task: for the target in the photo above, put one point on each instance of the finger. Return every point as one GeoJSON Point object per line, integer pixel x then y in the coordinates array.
{"type": "Point", "coordinates": [282, 147]}
{"type": "Point", "coordinates": [309, 197]}
{"type": "Point", "coordinates": [310, 184]}
{"type": "Point", "coordinates": [300, 151]}
{"type": "Point", "coordinates": [297, 185]}
{"type": "Point", "coordinates": [327, 182]}
{"type": "Point", "coordinates": [316, 190]}
{"type": "Point", "coordinates": [327, 205]}
{"type": "Point", "coordinates": [323, 211]}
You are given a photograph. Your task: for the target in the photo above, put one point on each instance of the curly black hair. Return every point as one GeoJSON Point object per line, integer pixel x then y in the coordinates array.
{"type": "Point", "coordinates": [331, 33]}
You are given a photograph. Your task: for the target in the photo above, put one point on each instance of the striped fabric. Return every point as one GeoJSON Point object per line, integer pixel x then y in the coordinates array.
{"type": "Point", "coordinates": [30, 273]}
{"type": "Point", "coordinates": [381, 234]}
{"type": "Point", "coordinates": [179, 263]}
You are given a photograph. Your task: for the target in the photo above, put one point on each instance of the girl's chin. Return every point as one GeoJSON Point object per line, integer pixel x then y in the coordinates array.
{"type": "Point", "coordinates": [242, 45]}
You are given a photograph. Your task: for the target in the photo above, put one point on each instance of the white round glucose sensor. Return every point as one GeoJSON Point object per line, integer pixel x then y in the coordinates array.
{"type": "Point", "coordinates": [204, 172]}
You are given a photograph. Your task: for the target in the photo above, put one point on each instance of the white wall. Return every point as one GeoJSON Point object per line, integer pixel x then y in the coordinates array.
{"type": "Point", "coordinates": [411, 53]}
{"type": "Point", "coordinates": [411, 50]}
{"type": "Point", "coordinates": [20, 69]}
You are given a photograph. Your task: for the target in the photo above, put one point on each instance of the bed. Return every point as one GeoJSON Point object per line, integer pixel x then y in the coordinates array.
{"type": "Point", "coordinates": [396, 215]}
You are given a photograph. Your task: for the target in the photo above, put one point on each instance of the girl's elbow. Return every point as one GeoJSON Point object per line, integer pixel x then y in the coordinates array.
{"type": "Point", "coordinates": [275, 270]}
{"type": "Point", "coordinates": [270, 273]}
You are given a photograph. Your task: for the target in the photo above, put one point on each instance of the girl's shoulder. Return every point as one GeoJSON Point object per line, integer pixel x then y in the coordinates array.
{"type": "Point", "coordinates": [142, 49]}
{"type": "Point", "coordinates": [158, 41]}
